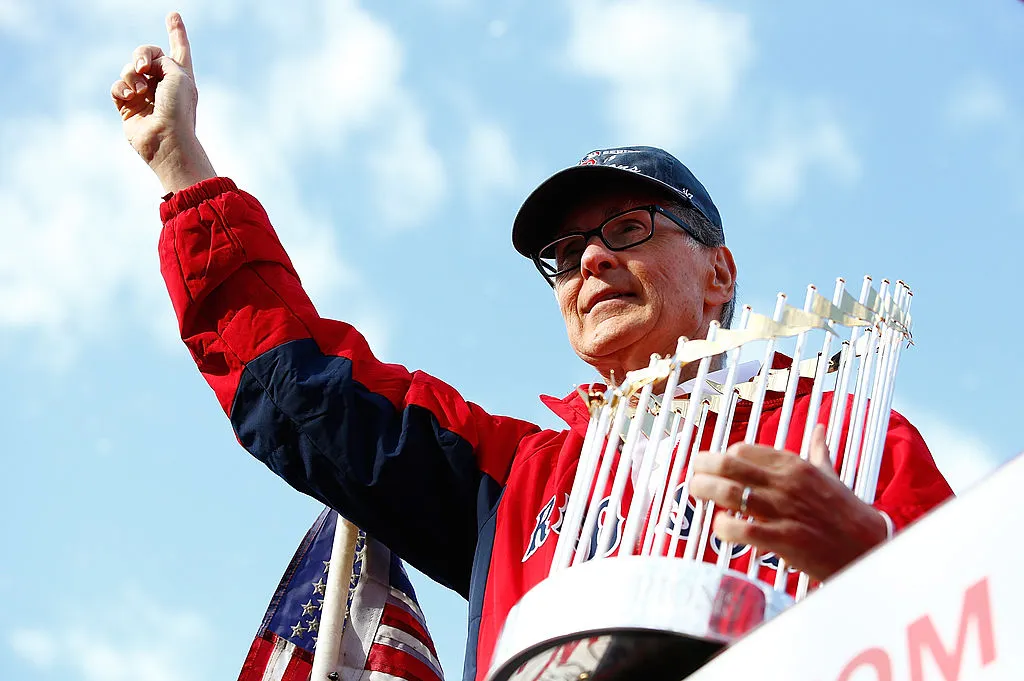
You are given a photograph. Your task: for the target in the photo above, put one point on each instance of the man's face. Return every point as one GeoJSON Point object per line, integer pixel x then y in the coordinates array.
{"type": "Point", "coordinates": [622, 306]}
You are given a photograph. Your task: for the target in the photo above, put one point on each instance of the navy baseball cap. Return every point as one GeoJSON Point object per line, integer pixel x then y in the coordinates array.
{"type": "Point", "coordinates": [602, 170]}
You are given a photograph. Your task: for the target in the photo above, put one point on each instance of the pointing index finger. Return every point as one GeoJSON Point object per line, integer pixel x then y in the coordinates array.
{"type": "Point", "coordinates": [181, 52]}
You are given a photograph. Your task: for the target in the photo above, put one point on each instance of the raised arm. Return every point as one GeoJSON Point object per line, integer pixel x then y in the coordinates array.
{"type": "Point", "coordinates": [400, 453]}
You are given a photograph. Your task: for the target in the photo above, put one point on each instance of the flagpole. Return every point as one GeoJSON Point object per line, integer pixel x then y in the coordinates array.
{"type": "Point", "coordinates": [327, 655]}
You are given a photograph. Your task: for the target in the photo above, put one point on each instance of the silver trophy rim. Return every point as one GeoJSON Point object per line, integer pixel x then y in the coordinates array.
{"type": "Point", "coordinates": [625, 594]}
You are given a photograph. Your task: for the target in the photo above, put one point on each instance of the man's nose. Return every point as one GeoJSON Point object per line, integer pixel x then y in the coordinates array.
{"type": "Point", "coordinates": [597, 257]}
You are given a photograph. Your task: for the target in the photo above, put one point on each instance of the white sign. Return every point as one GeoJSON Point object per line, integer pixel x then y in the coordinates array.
{"type": "Point", "coordinates": [944, 601]}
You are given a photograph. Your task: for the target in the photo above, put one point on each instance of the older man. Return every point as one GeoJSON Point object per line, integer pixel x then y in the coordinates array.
{"type": "Point", "coordinates": [633, 247]}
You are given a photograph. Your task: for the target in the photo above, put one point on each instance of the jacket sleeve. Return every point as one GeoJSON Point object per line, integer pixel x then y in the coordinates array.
{"type": "Point", "coordinates": [909, 483]}
{"type": "Point", "coordinates": [399, 453]}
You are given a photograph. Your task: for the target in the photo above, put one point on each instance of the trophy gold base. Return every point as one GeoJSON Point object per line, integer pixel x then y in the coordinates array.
{"type": "Point", "coordinates": [634, 617]}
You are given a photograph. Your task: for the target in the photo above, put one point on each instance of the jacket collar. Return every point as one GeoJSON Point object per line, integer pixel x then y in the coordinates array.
{"type": "Point", "coordinates": [572, 409]}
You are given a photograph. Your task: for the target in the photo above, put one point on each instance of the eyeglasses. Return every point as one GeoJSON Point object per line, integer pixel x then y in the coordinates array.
{"type": "Point", "coordinates": [619, 232]}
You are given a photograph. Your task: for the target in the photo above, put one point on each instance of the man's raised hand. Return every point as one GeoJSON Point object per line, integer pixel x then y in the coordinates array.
{"type": "Point", "coordinates": [156, 96]}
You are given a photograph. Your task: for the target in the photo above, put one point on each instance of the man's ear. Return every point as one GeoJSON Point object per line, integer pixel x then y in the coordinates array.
{"type": "Point", "coordinates": [722, 277]}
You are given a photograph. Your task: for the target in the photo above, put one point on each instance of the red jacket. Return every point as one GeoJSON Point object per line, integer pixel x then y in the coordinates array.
{"type": "Point", "coordinates": [469, 498]}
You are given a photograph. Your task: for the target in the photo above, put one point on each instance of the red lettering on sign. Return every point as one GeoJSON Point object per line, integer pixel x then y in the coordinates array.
{"type": "Point", "coordinates": [921, 634]}
{"type": "Point", "coordinates": [872, 657]}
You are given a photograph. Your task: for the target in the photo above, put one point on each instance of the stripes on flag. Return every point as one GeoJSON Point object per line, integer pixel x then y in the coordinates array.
{"type": "Point", "coordinates": [271, 658]}
{"type": "Point", "coordinates": [385, 636]}
{"type": "Point", "coordinates": [402, 632]}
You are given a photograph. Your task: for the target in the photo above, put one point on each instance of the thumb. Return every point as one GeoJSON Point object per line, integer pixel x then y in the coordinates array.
{"type": "Point", "coordinates": [819, 454]}
{"type": "Point", "coordinates": [181, 51]}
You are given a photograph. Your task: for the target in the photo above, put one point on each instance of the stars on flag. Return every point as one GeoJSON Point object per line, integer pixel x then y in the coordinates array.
{"type": "Point", "coordinates": [285, 643]}
{"type": "Point", "coordinates": [311, 609]}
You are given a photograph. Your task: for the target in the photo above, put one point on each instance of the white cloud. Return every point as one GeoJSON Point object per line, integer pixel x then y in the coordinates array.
{"type": "Point", "coordinates": [16, 17]}
{"type": "Point", "coordinates": [80, 210]}
{"type": "Point", "coordinates": [342, 71]}
{"type": "Point", "coordinates": [497, 28]}
{"type": "Point", "coordinates": [135, 639]}
{"type": "Point", "coordinates": [981, 107]}
{"type": "Point", "coordinates": [490, 161]}
{"type": "Point", "coordinates": [673, 67]}
{"type": "Point", "coordinates": [977, 101]}
{"type": "Point", "coordinates": [800, 147]}
{"type": "Point", "coordinates": [36, 647]}
{"type": "Point", "coordinates": [33, 21]}
{"type": "Point", "coordinates": [73, 200]}
{"type": "Point", "coordinates": [342, 75]}
{"type": "Point", "coordinates": [409, 174]}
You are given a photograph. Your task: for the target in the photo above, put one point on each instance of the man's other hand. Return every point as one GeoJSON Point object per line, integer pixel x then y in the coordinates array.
{"type": "Point", "coordinates": [800, 509]}
{"type": "Point", "coordinates": [156, 96]}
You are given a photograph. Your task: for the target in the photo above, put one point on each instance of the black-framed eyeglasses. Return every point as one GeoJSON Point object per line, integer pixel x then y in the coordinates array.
{"type": "Point", "coordinates": [621, 231]}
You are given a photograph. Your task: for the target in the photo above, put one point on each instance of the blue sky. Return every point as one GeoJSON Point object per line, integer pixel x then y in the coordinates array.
{"type": "Point", "coordinates": [392, 144]}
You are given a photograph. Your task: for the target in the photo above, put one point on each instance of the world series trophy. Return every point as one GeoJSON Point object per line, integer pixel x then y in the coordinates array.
{"type": "Point", "coordinates": [646, 603]}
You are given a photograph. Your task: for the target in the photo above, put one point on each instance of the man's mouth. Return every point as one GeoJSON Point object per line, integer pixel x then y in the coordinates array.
{"type": "Point", "coordinates": [606, 296]}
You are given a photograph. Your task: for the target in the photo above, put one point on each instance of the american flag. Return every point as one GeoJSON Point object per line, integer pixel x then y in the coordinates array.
{"type": "Point", "coordinates": [385, 635]}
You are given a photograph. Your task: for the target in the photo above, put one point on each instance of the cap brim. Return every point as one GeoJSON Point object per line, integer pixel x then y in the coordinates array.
{"type": "Point", "coordinates": [545, 207]}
